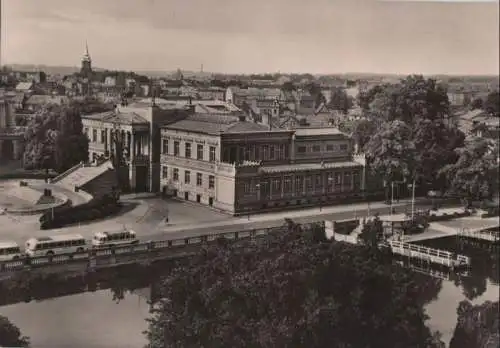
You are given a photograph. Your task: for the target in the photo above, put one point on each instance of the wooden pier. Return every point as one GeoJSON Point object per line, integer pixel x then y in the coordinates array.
{"type": "Point", "coordinates": [431, 255]}
{"type": "Point", "coordinates": [481, 234]}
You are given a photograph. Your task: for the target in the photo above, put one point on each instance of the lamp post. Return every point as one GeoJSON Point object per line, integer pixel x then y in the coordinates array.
{"type": "Point", "coordinates": [412, 198]}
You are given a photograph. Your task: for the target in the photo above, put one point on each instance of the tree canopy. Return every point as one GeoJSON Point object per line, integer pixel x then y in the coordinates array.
{"type": "Point", "coordinates": [10, 335]}
{"type": "Point", "coordinates": [477, 326]}
{"type": "Point", "coordinates": [492, 104]}
{"type": "Point", "coordinates": [339, 100]}
{"type": "Point", "coordinates": [55, 139]}
{"type": "Point", "coordinates": [475, 174]}
{"type": "Point", "coordinates": [414, 137]}
{"type": "Point", "coordinates": [291, 290]}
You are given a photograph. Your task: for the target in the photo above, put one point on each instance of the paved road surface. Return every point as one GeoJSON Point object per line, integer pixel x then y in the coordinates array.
{"type": "Point", "coordinates": [152, 226]}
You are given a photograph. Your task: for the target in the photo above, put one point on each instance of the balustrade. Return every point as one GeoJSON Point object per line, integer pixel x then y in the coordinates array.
{"type": "Point", "coordinates": [99, 256]}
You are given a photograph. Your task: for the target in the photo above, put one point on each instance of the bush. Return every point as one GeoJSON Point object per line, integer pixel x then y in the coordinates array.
{"type": "Point", "coordinates": [95, 209]}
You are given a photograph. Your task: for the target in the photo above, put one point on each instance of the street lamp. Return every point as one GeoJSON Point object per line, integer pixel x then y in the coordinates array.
{"type": "Point", "coordinates": [412, 185]}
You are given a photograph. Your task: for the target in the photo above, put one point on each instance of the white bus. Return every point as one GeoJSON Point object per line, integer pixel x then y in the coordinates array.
{"type": "Point", "coordinates": [60, 244]}
{"type": "Point", "coordinates": [115, 238]}
{"type": "Point", "coordinates": [10, 251]}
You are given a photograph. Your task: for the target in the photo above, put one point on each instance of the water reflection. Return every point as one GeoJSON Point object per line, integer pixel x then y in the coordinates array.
{"type": "Point", "coordinates": [102, 309]}
{"type": "Point", "coordinates": [478, 285]}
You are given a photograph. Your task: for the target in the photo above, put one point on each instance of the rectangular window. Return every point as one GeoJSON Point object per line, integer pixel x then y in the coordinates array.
{"type": "Point", "coordinates": [94, 135]}
{"type": "Point", "coordinates": [347, 179]}
{"type": "Point", "coordinates": [343, 147]}
{"type": "Point", "coordinates": [266, 152]}
{"type": "Point", "coordinates": [318, 181]}
{"type": "Point", "coordinates": [309, 183]}
{"type": "Point", "coordinates": [175, 175]}
{"type": "Point", "coordinates": [199, 152]}
{"type": "Point", "coordinates": [176, 148]}
{"type": "Point", "coordinates": [329, 147]}
{"type": "Point", "coordinates": [271, 152]}
{"type": "Point", "coordinates": [212, 153]}
{"type": "Point", "coordinates": [299, 184]}
{"type": "Point", "coordinates": [316, 148]}
{"type": "Point", "coordinates": [103, 136]}
{"type": "Point", "coordinates": [301, 149]}
{"type": "Point", "coordinates": [356, 180]}
{"type": "Point", "coordinates": [211, 181]}
{"type": "Point", "coordinates": [187, 177]}
{"type": "Point", "coordinates": [276, 184]}
{"type": "Point", "coordinates": [247, 188]}
{"type": "Point", "coordinates": [338, 179]}
{"type": "Point", "coordinates": [86, 131]}
{"type": "Point", "coordinates": [164, 172]}
{"type": "Point", "coordinates": [187, 150]}
{"type": "Point", "coordinates": [330, 181]}
{"type": "Point", "coordinates": [287, 184]}
{"type": "Point", "coordinates": [164, 146]}
{"type": "Point", "coordinates": [199, 179]}
{"type": "Point", "coordinates": [281, 152]}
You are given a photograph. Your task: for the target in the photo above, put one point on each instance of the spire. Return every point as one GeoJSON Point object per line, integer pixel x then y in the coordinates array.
{"type": "Point", "coordinates": [87, 48]}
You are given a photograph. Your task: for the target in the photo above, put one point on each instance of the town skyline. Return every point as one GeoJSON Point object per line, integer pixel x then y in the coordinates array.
{"type": "Point", "coordinates": [321, 38]}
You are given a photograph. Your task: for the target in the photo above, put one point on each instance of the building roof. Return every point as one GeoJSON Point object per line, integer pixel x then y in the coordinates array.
{"type": "Point", "coordinates": [24, 86]}
{"type": "Point", "coordinates": [47, 99]}
{"type": "Point", "coordinates": [215, 124]}
{"type": "Point", "coordinates": [120, 117]}
{"type": "Point", "coordinates": [299, 167]}
{"type": "Point", "coordinates": [257, 92]}
{"type": "Point", "coordinates": [307, 131]}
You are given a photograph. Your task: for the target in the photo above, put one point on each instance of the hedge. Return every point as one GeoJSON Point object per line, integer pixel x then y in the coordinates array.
{"type": "Point", "coordinates": [97, 208]}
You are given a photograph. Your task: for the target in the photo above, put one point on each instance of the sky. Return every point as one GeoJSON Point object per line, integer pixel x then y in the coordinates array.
{"type": "Point", "coordinates": [256, 36]}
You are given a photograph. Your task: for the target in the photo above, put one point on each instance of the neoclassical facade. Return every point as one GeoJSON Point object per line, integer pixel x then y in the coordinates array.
{"type": "Point", "coordinates": [243, 167]}
{"type": "Point", "coordinates": [227, 162]}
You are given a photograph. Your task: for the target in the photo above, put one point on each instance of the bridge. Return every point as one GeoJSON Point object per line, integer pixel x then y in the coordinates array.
{"type": "Point", "coordinates": [431, 255]}
{"type": "Point", "coordinates": [143, 253]}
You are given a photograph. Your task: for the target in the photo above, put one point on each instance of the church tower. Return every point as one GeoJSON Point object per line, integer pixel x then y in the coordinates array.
{"type": "Point", "coordinates": [86, 69]}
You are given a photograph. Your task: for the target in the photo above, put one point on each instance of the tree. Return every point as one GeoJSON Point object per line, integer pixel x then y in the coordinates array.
{"type": "Point", "coordinates": [423, 106]}
{"type": "Point", "coordinates": [363, 131]}
{"type": "Point", "coordinates": [315, 91]}
{"type": "Point", "coordinates": [412, 99]}
{"type": "Point", "coordinates": [91, 105]}
{"type": "Point", "coordinates": [492, 104]}
{"type": "Point", "coordinates": [373, 232]}
{"type": "Point", "coordinates": [477, 326]}
{"type": "Point", "coordinates": [288, 87]}
{"type": "Point", "coordinates": [476, 103]}
{"type": "Point", "coordinates": [474, 176]}
{"type": "Point", "coordinates": [290, 291]}
{"type": "Point", "coordinates": [10, 335]}
{"type": "Point", "coordinates": [340, 101]}
{"type": "Point", "coordinates": [55, 140]}
{"type": "Point", "coordinates": [392, 153]}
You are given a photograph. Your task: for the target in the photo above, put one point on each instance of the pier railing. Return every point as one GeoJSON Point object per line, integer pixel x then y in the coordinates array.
{"type": "Point", "coordinates": [437, 256]}
{"type": "Point", "coordinates": [491, 236]}
{"type": "Point", "coordinates": [129, 253]}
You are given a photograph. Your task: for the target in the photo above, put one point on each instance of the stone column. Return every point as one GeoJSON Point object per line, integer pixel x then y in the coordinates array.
{"type": "Point", "coordinates": [282, 185]}
{"type": "Point", "coordinates": [16, 149]}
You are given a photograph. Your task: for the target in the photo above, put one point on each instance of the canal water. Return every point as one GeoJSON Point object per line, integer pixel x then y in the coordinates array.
{"type": "Point", "coordinates": [96, 311]}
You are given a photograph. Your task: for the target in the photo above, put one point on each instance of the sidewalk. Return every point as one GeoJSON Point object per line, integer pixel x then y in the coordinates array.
{"type": "Point", "coordinates": [361, 210]}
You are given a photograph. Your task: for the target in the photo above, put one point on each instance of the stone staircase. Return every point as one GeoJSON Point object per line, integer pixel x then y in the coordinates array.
{"type": "Point", "coordinates": [84, 175]}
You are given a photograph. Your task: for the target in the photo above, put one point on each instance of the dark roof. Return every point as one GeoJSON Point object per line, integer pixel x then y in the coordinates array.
{"type": "Point", "coordinates": [216, 124]}
{"type": "Point", "coordinates": [125, 118]}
